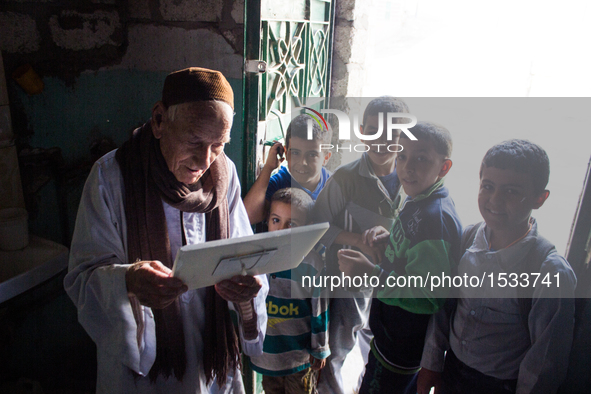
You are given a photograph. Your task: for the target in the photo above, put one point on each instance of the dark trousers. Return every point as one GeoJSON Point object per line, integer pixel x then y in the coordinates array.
{"type": "Point", "coordinates": [458, 378]}
{"type": "Point", "coordinates": [380, 380]}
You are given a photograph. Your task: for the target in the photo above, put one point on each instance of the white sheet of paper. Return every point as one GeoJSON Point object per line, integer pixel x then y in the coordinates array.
{"type": "Point", "coordinates": [208, 263]}
{"type": "Point", "coordinates": [235, 265]}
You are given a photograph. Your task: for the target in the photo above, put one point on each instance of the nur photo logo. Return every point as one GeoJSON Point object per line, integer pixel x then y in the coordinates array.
{"type": "Point", "coordinates": [349, 123]}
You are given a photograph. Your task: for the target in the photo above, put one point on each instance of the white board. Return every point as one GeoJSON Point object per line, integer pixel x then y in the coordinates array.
{"type": "Point", "coordinates": [208, 263]}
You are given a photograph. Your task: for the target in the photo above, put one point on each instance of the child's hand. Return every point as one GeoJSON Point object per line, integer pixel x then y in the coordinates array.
{"type": "Point", "coordinates": [316, 364]}
{"type": "Point", "coordinates": [275, 157]}
{"type": "Point", "coordinates": [354, 263]}
{"type": "Point", "coordinates": [375, 236]}
{"type": "Point", "coordinates": [427, 379]}
{"type": "Point", "coordinates": [375, 253]}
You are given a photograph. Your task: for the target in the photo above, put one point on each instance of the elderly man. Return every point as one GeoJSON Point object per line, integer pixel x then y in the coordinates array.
{"type": "Point", "coordinates": [169, 185]}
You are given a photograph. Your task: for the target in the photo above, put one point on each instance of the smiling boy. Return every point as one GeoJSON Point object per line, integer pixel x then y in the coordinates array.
{"type": "Point", "coordinates": [518, 343]}
{"type": "Point", "coordinates": [425, 239]}
{"type": "Point", "coordinates": [305, 167]}
{"type": "Point", "coordinates": [506, 200]}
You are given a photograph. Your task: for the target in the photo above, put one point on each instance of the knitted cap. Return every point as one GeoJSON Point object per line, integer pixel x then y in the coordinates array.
{"type": "Point", "coordinates": [196, 84]}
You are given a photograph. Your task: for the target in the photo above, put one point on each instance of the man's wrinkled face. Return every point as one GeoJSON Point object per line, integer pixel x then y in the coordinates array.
{"type": "Point", "coordinates": [192, 135]}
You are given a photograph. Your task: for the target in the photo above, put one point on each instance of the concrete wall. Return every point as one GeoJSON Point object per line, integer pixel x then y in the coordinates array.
{"type": "Point", "coordinates": [350, 47]}
{"type": "Point", "coordinates": [351, 33]}
{"type": "Point", "coordinates": [103, 63]}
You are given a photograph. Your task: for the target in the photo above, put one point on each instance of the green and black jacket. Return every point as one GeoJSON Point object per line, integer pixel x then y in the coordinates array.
{"type": "Point", "coordinates": [424, 241]}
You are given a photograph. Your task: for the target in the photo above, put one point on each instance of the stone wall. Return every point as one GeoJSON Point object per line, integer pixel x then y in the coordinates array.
{"type": "Point", "coordinates": [350, 47]}
{"type": "Point", "coordinates": [351, 28]}
{"type": "Point", "coordinates": [67, 38]}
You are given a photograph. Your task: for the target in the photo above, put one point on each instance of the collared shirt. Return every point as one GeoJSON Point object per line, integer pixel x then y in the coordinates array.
{"type": "Point", "coordinates": [124, 333]}
{"type": "Point", "coordinates": [489, 334]}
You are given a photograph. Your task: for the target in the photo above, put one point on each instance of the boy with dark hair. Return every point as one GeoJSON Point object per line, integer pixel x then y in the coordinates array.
{"type": "Point", "coordinates": [305, 167]}
{"type": "Point", "coordinates": [425, 239]}
{"type": "Point", "coordinates": [296, 344]}
{"type": "Point", "coordinates": [520, 342]}
{"type": "Point", "coordinates": [359, 196]}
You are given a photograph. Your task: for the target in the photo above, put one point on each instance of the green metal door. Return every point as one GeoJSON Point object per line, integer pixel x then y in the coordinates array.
{"type": "Point", "coordinates": [287, 52]}
{"type": "Point", "coordinates": [294, 40]}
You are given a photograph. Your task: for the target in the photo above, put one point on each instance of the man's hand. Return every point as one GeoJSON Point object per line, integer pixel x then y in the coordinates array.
{"type": "Point", "coordinates": [239, 289]}
{"type": "Point", "coordinates": [316, 364]}
{"type": "Point", "coordinates": [354, 263]}
{"type": "Point", "coordinates": [152, 284]}
{"type": "Point", "coordinates": [427, 379]}
{"type": "Point", "coordinates": [275, 157]}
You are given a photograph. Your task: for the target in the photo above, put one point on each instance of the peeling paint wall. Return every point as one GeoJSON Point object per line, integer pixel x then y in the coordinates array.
{"type": "Point", "coordinates": [77, 31]}
{"type": "Point", "coordinates": [102, 63]}
{"type": "Point", "coordinates": [76, 45]}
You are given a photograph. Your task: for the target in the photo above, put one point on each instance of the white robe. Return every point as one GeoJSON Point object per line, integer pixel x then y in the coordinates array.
{"type": "Point", "coordinates": [96, 284]}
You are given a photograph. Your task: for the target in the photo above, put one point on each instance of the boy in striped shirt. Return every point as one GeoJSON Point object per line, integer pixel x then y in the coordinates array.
{"type": "Point", "coordinates": [296, 344]}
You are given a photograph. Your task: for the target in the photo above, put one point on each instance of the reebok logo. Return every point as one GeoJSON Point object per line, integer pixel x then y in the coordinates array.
{"type": "Point", "coordinates": [283, 310]}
